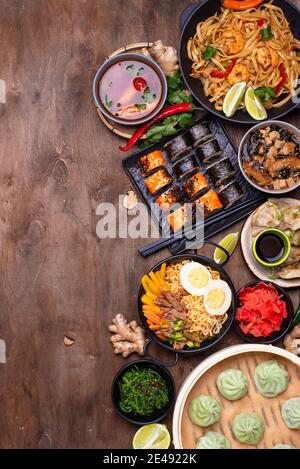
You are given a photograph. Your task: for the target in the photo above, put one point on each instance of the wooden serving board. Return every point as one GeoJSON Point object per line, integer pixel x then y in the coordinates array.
{"type": "Point", "coordinates": [268, 408]}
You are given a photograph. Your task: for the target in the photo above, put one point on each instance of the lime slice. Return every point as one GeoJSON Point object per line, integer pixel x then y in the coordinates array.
{"type": "Point", "coordinates": [154, 436]}
{"type": "Point", "coordinates": [229, 243]}
{"type": "Point", "coordinates": [233, 98]}
{"type": "Point", "coordinates": [254, 105]}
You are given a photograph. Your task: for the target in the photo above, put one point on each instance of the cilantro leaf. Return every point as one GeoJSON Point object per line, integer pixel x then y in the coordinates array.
{"type": "Point", "coordinates": [265, 93]}
{"type": "Point", "coordinates": [209, 53]}
{"type": "Point", "coordinates": [108, 102]}
{"type": "Point", "coordinates": [266, 33]}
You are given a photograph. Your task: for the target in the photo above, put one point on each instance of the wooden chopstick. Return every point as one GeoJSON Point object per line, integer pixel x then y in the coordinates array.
{"type": "Point", "coordinates": [165, 242]}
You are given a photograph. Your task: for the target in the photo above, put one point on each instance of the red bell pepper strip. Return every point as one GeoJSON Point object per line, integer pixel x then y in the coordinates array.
{"type": "Point", "coordinates": [283, 81]}
{"type": "Point", "coordinates": [220, 73]}
{"type": "Point", "coordinates": [166, 112]}
{"type": "Point", "coordinates": [241, 5]}
{"type": "Point", "coordinates": [261, 22]}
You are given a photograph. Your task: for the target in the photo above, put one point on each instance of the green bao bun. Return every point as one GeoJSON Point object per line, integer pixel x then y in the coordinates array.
{"type": "Point", "coordinates": [232, 384]}
{"type": "Point", "coordinates": [271, 378]}
{"type": "Point", "coordinates": [204, 410]}
{"type": "Point", "coordinates": [248, 428]}
{"type": "Point", "coordinates": [290, 412]}
{"type": "Point", "coordinates": [283, 446]}
{"type": "Point", "coordinates": [213, 440]}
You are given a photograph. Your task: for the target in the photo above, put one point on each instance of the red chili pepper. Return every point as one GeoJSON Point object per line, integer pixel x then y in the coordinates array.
{"type": "Point", "coordinates": [284, 79]}
{"type": "Point", "coordinates": [244, 26]}
{"type": "Point", "coordinates": [140, 83]}
{"type": "Point", "coordinates": [220, 73]}
{"type": "Point", "coordinates": [261, 22]}
{"type": "Point", "coordinates": [166, 112]}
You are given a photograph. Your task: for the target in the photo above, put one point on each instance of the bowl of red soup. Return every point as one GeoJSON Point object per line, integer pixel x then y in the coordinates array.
{"type": "Point", "coordinates": [264, 312]}
{"type": "Point", "coordinates": [130, 88]}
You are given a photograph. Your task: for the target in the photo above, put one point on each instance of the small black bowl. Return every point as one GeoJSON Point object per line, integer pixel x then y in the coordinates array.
{"type": "Point", "coordinates": [157, 415]}
{"type": "Point", "coordinates": [286, 323]}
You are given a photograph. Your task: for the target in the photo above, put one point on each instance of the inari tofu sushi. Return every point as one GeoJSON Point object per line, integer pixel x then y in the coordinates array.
{"type": "Point", "coordinates": [221, 172]}
{"type": "Point", "coordinates": [152, 161]}
{"type": "Point", "coordinates": [178, 218]}
{"type": "Point", "coordinates": [168, 198]}
{"type": "Point", "coordinates": [211, 202]}
{"type": "Point", "coordinates": [158, 181]}
{"type": "Point", "coordinates": [195, 185]}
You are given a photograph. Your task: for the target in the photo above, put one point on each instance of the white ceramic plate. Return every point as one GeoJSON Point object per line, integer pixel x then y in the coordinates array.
{"type": "Point", "coordinates": [246, 356]}
{"type": "Point", "coordinates": [261, 272]}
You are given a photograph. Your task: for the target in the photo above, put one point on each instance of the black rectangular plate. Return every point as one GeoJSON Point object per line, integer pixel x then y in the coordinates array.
{"type": "Point", "coordinates": [132, 167]}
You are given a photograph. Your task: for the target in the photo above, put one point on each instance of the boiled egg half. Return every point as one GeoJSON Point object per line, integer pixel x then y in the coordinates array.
{"type": "Point", "coordinates": [217, 297]}
{"type": "Point", "coordinates": [195, 278]}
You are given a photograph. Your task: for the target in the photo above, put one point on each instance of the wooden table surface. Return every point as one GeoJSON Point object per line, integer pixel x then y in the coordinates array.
{"type": "Point", "coordinates": [57, 277]}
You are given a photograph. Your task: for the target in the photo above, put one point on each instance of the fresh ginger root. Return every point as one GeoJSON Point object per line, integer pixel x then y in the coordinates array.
{"type": "Point", "coordinates": [128, 337]}
{"type": "Point", "coordinates": [165, 56]}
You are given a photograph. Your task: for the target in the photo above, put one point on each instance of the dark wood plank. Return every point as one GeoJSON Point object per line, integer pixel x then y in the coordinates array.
{"type": "Point", "coordinates": [57, 278]}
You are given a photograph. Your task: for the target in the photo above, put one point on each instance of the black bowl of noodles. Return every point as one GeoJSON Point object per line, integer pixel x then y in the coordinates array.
{"type": "Point", "coordinates": [218, 325]}
{"type": "Point", "coordinates": [201, 11]}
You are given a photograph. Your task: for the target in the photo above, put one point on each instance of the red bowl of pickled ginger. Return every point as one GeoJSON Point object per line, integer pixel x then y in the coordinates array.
{"type": "Point", "coordinates": [264, 312]}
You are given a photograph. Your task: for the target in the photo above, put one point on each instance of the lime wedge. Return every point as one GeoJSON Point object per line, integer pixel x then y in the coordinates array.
{"type": "Point", "coordinates": [229, 243]}
{"type": "Point", "coordinates": [254, 105]}
{"type": "Point", "coordinates": [233, 98]}
{"type": "Point", "coordinates": [154, 436]}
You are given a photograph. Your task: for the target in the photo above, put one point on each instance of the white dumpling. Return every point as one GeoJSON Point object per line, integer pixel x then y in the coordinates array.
{"type": "Point", "coordinates": [267, 215]}
{"type": "Point", "coordinates": [291, 217]}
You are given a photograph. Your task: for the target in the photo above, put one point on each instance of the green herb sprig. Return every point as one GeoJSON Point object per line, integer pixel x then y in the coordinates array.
{"type": "Point", "coordinates": [177, 93]}
{"type": "Point", "coordinates": [265, 93]}
{"type": "Point", "coordinates": [143, 391]}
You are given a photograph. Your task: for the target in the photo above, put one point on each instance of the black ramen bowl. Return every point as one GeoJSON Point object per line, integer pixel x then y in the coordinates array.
{"type": "Point", "coordinates": [286, 323]}
{"type": "Point", "coordinates": [129, 56]}
{"type": "Point", "coordinates": [157, 415]}
{"type": "Point", "coordinates": [208, 343]}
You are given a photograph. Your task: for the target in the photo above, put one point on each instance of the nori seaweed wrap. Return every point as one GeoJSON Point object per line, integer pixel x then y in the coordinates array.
{"type": "Point", "coordinates": [185, 167]}
{"type": "Point", "coordinates": [221, 172]}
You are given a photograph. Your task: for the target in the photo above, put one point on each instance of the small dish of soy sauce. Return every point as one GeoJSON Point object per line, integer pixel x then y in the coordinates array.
{"type": "Point", "coordinates": [271, 247]}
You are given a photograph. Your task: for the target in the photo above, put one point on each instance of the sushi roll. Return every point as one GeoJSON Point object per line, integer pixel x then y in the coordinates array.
{"type": "Point", "coordinates": [211, 202]}
{"type": "Point", "coordinates": [177, 148]}
{"type": "Point", "coordinates": [230, 194]}
{"type": "Point", "coordinates": [169, 198]}
{"type": "Point", "coordinates": [199, 134]}
{"type": "Point", "coordinates": [195, 185]}
{"type": "Point", "coordinates": [221, 172]}
{"type": "Point", "coordinates": [152, 161]}
{"type": "Point", "coordinates": [158, 181]}
{"type": "Point", "coordinates": [185, 166]}
{"type": "Point", "coordinates": [178, 219]}
{"type": "Point", "coordinates": [208, 151]}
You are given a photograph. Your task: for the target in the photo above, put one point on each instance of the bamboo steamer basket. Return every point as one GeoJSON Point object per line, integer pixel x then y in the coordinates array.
{"type": "Point", "coordinates": [202, 380]}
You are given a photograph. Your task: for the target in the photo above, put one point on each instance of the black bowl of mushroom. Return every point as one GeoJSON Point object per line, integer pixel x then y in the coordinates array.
{"type": "Point", "coordinates": [269, 157]}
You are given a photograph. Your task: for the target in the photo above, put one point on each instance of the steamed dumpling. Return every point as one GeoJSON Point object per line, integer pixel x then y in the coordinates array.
{"type": "Point", "coordinates": [271, 378]}
{"type": "Point", "coordinates": [290, 412]}
{"type": "Point", "coordinates": [204, 410]}
{"type": "Point", "coordinates": [232, 384]}
{"type": "Point", "coordinates": [283, 446]}
{"type": "Point", "coordinates": [213, 440]}
{"type": "Point", "coordinates": [248, 427]}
